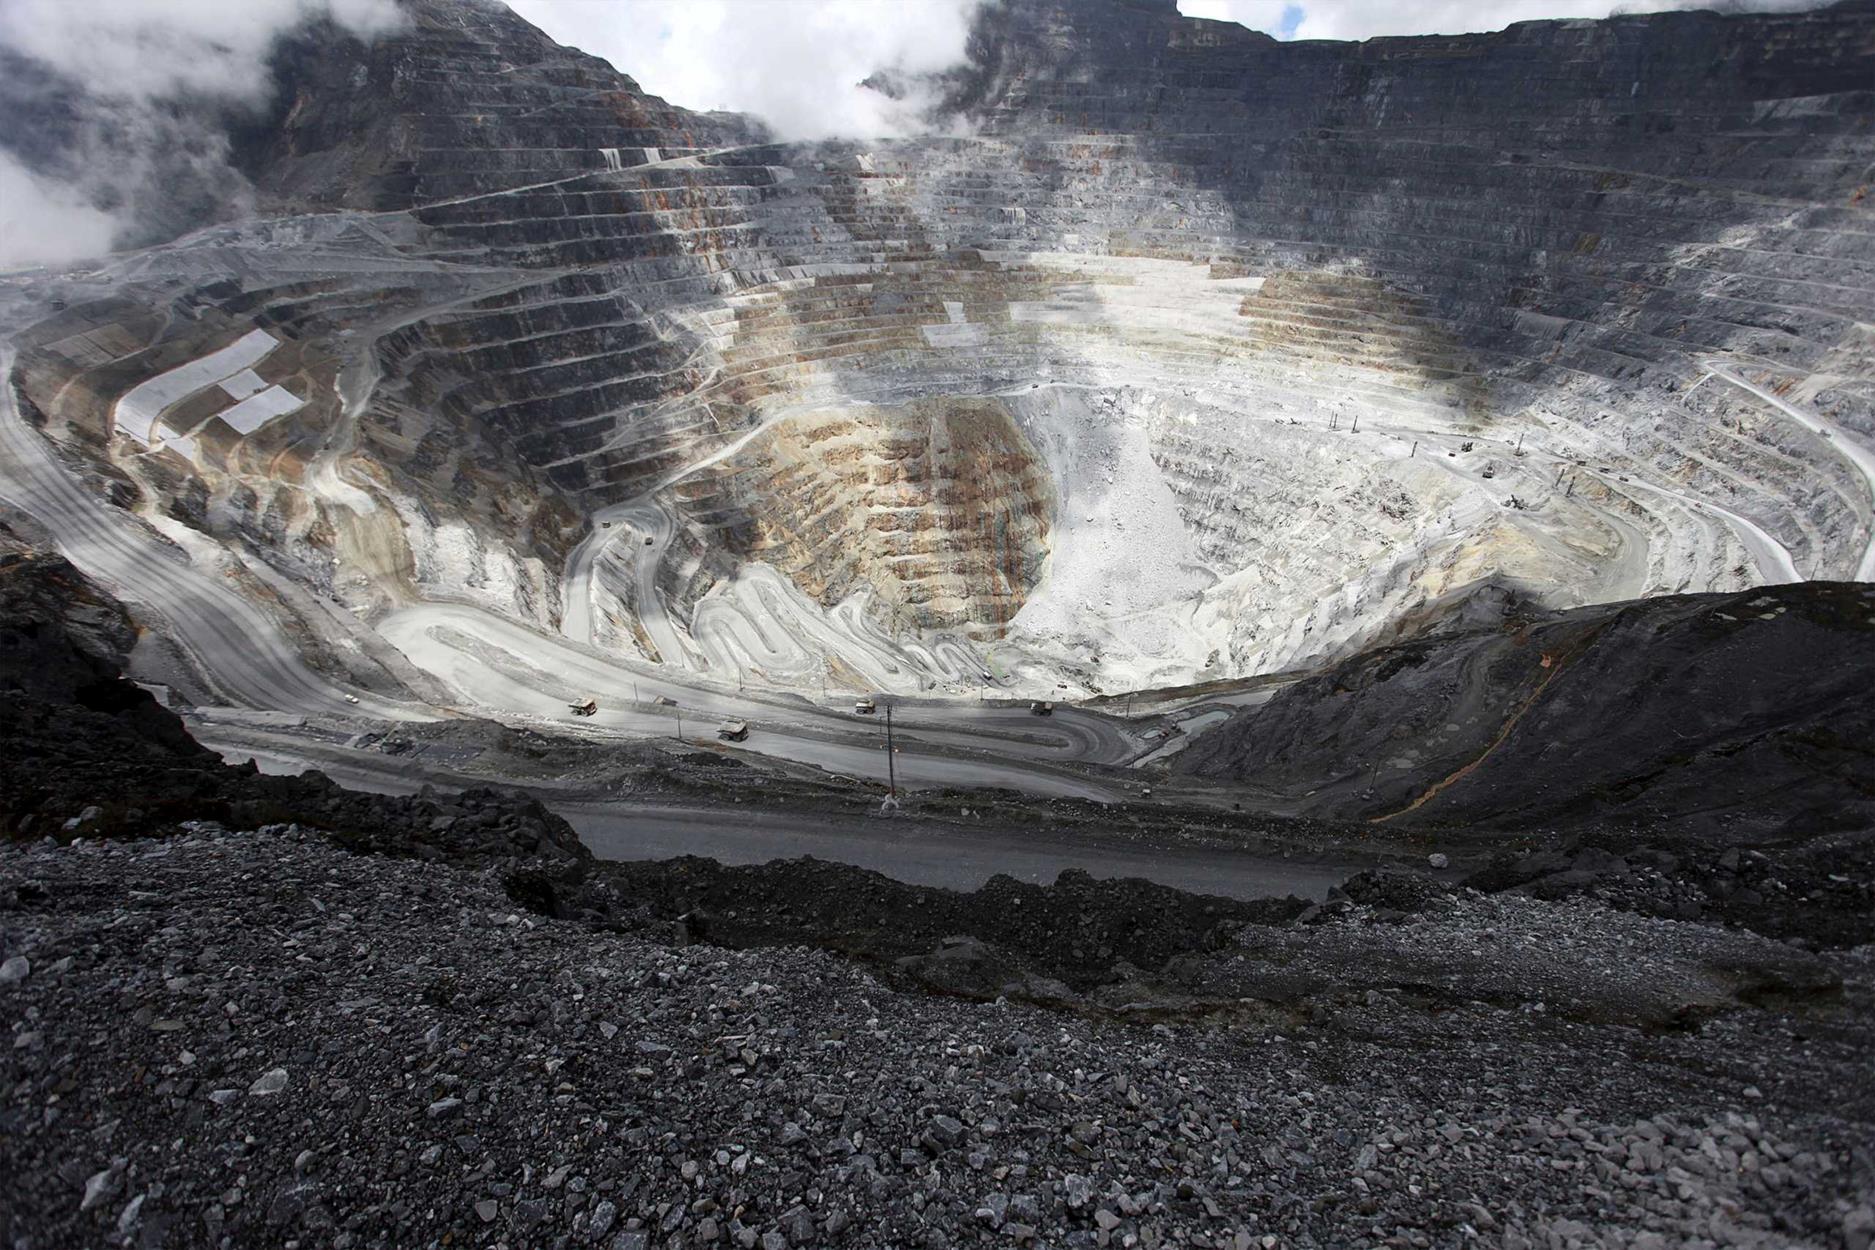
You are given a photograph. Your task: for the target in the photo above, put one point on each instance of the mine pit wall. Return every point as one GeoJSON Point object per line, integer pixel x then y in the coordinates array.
{"type": "Point", "coordinates": [938, 506]}
{"type": "Point", "coordinates": [466, 99]}
{"type": "Point", "coordinates": [1223, 242]}
{"type": "Point", "coordinates": [902, 270]}
{"type": "Point", "coordinates": [1610, 236]}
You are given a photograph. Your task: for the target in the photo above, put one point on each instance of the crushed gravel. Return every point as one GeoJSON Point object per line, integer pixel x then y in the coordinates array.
{"type": "Point", "coordinates": [266, 1038]}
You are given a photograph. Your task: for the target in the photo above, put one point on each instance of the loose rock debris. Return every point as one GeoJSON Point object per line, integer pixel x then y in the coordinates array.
{"type": "Point", "coordinates": [264, 1038]}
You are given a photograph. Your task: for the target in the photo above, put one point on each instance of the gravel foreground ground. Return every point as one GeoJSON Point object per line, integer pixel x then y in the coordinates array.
{"type": "Point", "coordinates": [264, 1038]}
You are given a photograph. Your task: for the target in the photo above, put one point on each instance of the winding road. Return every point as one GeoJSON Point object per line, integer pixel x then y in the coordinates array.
{"type": "Point", "coordinates": [1771, 556]}
{"type": "Point", "coordinates": [505, 667]}
{"type": "Point", "coordinates": [235, 644]}
{"type": "Point", "coordinates": [956, 859]}
{"type": "Point", "coordinates": [1860, 457]}
{"type": "Point", "coordinates": [936, 852]}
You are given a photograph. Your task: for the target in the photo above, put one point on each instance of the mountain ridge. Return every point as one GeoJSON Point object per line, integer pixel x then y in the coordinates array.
{"type": "Point", "coordinates": [1735, 716]}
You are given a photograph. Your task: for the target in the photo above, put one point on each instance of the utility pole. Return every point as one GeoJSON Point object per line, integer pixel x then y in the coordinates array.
{"type": "Point", "coordinates": [1520, 443]}
{"type": "Point", "coordinates": [1357, 424]}
{"type": "Point", "coordinates": [1414, 454]}
{"type": "Point", "coordinates": [891, 765]}
{"type": "Point", "coordinates": [680, 724]}
{"type": "Point", "coordinates": [634, 692]}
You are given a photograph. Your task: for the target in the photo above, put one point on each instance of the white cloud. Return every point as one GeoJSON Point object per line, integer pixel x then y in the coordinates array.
{"type": "Point", "coordinates": [1365, 19]}
{"type": "Point", "coordinates": [43, 222]}
{"type": "Point", "coordinates": [796, 64]}
{"type": "Point", "coordinates": [111, 154]}
{"type": "Point", "coordinates": [154, 48]}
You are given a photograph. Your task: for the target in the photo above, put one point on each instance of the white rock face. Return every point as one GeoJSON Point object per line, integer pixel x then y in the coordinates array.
{"type": "Point", "coordinates": [1124, 578]}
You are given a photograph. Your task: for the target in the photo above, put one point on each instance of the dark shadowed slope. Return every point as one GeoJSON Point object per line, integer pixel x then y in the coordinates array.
{"type": "Point", "coordinates": [1750, 713]}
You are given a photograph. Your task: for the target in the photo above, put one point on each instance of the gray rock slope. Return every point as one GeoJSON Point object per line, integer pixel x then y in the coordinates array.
{"type": "Point", "coordinates": [261, 1039]}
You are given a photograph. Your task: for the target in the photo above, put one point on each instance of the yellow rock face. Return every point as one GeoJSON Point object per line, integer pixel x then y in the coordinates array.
{"type": "Point", "coordinates": [938, 505]}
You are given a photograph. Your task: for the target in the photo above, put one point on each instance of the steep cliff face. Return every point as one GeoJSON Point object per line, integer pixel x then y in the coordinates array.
{"type": "Point", "coordinates": [1299, 343]}
{"type": "Point", "coordinates": [467, 98]}
{"type": "Point", "coordinates": [949, 496]}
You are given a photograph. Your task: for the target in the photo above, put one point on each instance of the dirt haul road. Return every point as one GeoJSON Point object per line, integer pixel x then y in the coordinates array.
{"type": "Point", "coordinates": [507, 670]}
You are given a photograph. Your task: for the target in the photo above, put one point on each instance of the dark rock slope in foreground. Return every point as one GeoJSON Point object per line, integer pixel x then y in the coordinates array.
{"type": "Point", "coordinates": [1736, 716]}
{"type": "Point", "coordinates": [89, 753]}
{"type": "Point", "coordinates": [261, 1039]}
